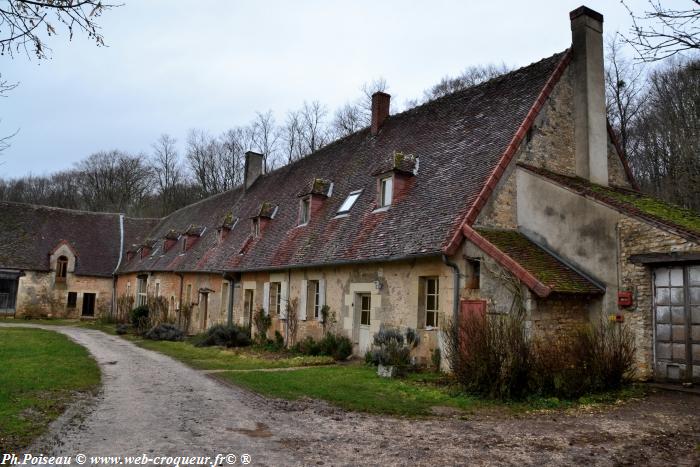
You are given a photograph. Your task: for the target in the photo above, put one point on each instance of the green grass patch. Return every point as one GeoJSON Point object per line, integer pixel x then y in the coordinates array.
{"type": "Point", "coordinates": [357, 387]}
{"type": "Point", "coordinates": [219, 358]}
{"type": "Point", "coordinates": [97, 324]}
{"type": "Point", "coordinates": [41, 370]}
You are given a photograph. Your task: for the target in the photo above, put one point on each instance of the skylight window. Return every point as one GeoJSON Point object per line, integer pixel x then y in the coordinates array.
{"type": "Point", "coordinates": [349, 202]}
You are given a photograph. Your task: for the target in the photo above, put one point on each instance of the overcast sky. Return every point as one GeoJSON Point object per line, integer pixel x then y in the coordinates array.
{"type": "Point", "coordinates": [174, 65]}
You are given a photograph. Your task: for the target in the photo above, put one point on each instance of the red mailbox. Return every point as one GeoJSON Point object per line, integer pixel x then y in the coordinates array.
{"type": "Point", "coordinates": [624, 298]}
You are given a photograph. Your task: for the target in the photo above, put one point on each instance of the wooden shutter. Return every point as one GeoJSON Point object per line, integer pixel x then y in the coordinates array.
{"type": "Point", "coordinates": [420, 324]}
{"type": "Point", "coordinates": [284, 298]}
{"type": "Point", "coordinates": [321, 297]}
{"type": "Point", "coordinates": [266, 298]}
{"type": "Point", "coordinates": [302, 300]}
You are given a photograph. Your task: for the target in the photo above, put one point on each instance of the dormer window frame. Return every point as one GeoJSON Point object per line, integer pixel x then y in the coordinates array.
{"type": "Point", "coordinates": [304, 210]}
{"type": "Point", "coordinates": [61, 268]}
{"type": "Point", "coordinates": [256, 227]}
{"type": "Point", "coordinates": [386, 191]}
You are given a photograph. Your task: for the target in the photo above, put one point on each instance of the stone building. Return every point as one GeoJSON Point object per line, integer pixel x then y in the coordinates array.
{"type": "Point", "coordinates": [59, 262]}
{"type": "Point", "coordinates": [509, 193]}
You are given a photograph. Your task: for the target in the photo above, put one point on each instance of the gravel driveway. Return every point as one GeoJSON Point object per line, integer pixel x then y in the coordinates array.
{"type": "Point", "coordinates": [153, 405]}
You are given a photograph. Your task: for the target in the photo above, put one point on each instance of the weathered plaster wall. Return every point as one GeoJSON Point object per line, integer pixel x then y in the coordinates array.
{"type": "Point", "coordinates": [581, 231]}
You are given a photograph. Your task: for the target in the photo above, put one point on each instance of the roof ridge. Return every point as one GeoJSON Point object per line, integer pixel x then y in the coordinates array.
{"type": "Point", "coordinates": [56, 208]}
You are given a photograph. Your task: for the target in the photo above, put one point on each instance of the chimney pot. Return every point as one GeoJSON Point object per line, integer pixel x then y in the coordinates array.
{"type": "Point", "coordinates": [253, 168]}
{"type": "Point", "coordinates": [590, 124]}
{"type": "Point", "coordinates": [380, 110]}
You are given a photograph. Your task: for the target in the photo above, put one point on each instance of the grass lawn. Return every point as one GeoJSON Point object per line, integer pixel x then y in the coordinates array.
{"type": "Point", "coordinates": [357, 387]}
{"type": "Point", "coordinates": [219, 358]}
{"type": "Point", "coordinates": [86, 324]}
{"type": "Point", "coordinates": [41, 370]}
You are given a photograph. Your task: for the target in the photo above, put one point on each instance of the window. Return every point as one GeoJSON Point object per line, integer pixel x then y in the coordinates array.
{"type": "Point", "coordinates": [385, 191]}
{"type": "Point", "coordinates": [157, 289]}
{"type": "Point", "coordinates": [313, 304]}
{"type": "Point", "coordinates": [275, 297]}
{"type": "Point", "coordinates": [305, 211]}
{"type": "Point", "coordinates": [256, 227]}
{"type": "Point", "coordinates": [72, 300]}
{"type": "Point", "coordinates": [365, 307]}
{"type": "Point", "coordinates": [349, 202]}
{"type": "Point", "coordinates": [61, 269]}
{"type": "Point", "coordinates": [141, 291]}
{"type": "Point", "coordinates": [188, 295]}
{"type": "Point", "coordinates": [248, 306]}
{"type": "Point", "coordinates": [432, 290]}
{"type": "Point", "coordinates": [474, 281]}
{"type": "Point", "coordinates": [128, 289]}
{"type": "Point", "coordinates": [172, 304]}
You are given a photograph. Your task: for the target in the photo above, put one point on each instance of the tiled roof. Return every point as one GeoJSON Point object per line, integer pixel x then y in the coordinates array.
{"type": "Point", "coordinates": [29, 233]}
{"type": "Point", "coordinates": [459, 139]}
{"type": "Point", "coordinates": [547, 269]}
{"type": "Point", "coordinates": [684, 222]}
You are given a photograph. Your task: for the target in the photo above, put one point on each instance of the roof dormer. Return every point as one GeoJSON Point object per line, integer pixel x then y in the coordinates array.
{"type": "Point", "coordinates": [170, 239]}
{"type": "Point", "coordinates": [394, 177]}
{"type": "Point", "coordinates": [146, 248]}
{"type": "Point", "coordinates": [191, 235]}
{"type": "Point", "coordinates": [311, 198]}
{"type": "Point", "coordinates": [264, 215]}
{"type": "Point", "coordinates": [227, 225]}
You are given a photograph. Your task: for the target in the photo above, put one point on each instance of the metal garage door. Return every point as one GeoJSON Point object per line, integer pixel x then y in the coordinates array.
{"type": "Point", "coordinates": [677, 323]}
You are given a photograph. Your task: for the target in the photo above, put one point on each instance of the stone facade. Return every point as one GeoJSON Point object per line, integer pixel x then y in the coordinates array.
{"type": "Point", "coordinates": [640, 237]}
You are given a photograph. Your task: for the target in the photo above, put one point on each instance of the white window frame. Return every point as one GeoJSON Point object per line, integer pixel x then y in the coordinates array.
{"type": "Point", "coordinates": [435, 312]}
{"type": "Point", "coordinates": [386, 191]}
{"type": "Point", "coordinates": [141, 291]}
{"type": "Point", "coordinates": [275, 298]}
{"type": "Point", "coordinates": [305, 210]}
{"type": "Point", "coordinates": [349, 202]}
{"type": "Point", "coordinates": [256, 227]}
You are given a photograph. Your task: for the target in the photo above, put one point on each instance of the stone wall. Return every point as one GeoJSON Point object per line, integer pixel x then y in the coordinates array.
{"type": "Point", "coordinates": [640, 237]}
{"type": "Point", "coordinates": [39, 294]}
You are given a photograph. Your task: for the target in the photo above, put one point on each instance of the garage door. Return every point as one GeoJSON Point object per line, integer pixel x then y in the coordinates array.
{"type": "Point", "coordinates": [677, 323]}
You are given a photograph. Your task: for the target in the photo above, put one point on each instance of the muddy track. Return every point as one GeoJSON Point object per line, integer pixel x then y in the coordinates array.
{"type": "Point", "coordinates": [151, 404]}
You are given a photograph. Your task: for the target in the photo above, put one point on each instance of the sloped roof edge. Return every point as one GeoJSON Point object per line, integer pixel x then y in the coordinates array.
{"type": "Point", "coordinates": [509, 153]}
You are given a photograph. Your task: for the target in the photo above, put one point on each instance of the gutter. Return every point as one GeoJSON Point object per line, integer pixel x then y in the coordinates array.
{"type": "Point", "coordinates": [455, 285]}
{"type": "Point", "coordinates": [119, 262]}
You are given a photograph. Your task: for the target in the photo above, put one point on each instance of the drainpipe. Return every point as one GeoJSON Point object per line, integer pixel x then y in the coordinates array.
{"type": "Point", "coordinates": [233, 280]}
{"type": "Point", "coordinates": [119, 263]}
{"type": "Point", "coordinates": [455, 293]}
{"type": "Point", "coordinates": [179, 308]}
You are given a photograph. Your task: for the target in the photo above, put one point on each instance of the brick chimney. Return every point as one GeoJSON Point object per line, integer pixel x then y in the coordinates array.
{"type": "Point", "coordinates": [380, 110]}
{"type": "Point", "coordinates": [253, 168]}
{"type": "Point", "coordinates": [590, 124]}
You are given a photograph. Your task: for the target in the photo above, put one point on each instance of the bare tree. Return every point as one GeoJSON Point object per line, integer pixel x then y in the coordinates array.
{"type": "Point", "coordinates": [624, 88]}
{"type": "Point", "coordinates": [5, 87]}
{"type": "Point", "coordinates": [471, 76]}
{"type": "Point", "coordinates": [114, 181]}
{"type": "Point", "coordinates": [664, 140]}
{"type": "Point", "coordinates": [167, 170]}
{"type": "Point", "coordinates": [25, 24]}
{"type": "Point", "coordinates": [314, 132]}
{"type": "Point", "coordinates": [265, 137]}
{"type": "Point", "coordinates": [662, 31]}
{"type": "Point", "coordinates": [291, 134]}
{"type": "Point", "coordinates": [356, 115]}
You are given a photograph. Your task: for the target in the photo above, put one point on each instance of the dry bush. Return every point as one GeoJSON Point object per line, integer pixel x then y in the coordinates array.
{"type": "Point", "coordinates": [292, 321]}
{"type": "Point", "coordinates": [125, 303]}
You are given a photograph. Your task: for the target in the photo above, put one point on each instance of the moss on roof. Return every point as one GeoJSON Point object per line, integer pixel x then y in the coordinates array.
{"type": "Point", "coordinates": [545, 267]}
{"type": "Point", "coordinates": [653, 207]}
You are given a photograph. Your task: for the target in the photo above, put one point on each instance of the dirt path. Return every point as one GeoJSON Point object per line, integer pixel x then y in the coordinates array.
{"type": "Point", "coordinates": [153, 405]}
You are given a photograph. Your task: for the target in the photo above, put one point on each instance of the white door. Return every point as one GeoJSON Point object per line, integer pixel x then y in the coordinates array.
{"type": "Point", "coordinates": [365, 312]}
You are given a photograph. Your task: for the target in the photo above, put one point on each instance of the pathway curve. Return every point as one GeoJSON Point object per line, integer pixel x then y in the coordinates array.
{"type": "Point", "coordinates": [151, 404]}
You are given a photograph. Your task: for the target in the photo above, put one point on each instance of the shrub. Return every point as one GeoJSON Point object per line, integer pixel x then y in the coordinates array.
{"type": "Point", "coordinates": [334, 345]}
{"type": "Point", "coordinates": [122, 329]}
{"type": "Point", "coordinates": [262, 323]}
{"type": "Point", "coordinates": [391, 347]}
{"type": "Point", "coordinates": [165, 332]}
{"type": "Point", "coordinates": [337, 346]}
{"type": "Point", "coordinates": [493, 356]}
{"type": "Point", "coordinates": [224, 336]}
{"type": "Point", "coordinates": [139, 318]}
